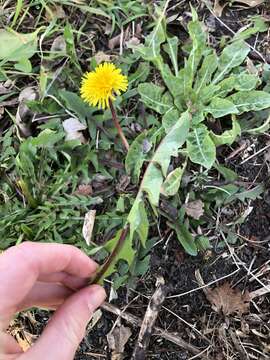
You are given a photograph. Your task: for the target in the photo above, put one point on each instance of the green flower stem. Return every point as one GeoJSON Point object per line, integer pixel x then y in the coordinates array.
{"type": "Point", "coordinates": [111, 258]}
{"type": "Point", "coordinates": [118, 126]}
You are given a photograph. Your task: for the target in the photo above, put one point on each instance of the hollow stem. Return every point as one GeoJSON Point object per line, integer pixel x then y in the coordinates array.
{"type": "Point", "coordinates": [111, 258]}
{"type": "Point", "coordinates": [118, 126]}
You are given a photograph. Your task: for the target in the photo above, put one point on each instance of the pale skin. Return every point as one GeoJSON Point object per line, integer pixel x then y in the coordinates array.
{"type": "Point", "coordinates": [53, 276]}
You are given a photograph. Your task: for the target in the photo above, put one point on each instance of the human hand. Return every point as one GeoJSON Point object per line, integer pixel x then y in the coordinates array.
{"type": "Point", "coordinates": [35, 274]}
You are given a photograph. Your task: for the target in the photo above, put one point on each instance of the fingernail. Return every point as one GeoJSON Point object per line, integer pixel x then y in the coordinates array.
{"type": "Point", "coordinates": [96, 296]}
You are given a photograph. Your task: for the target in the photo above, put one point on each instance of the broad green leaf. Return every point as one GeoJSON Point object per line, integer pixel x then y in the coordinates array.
{"type": "Point", "coordinates": [171, 48]}
{"type": "Point", "coordinates": [158, 167]}
{"type": "Point", "coordinates": [228, 174]}
{"type": "Point", "coordinates": [251, 194]}
{"type": "Point", "coordinates": [200, 147]}
{"type": "Point", "coordinates": [197, 117]}
{"type": "Point", "coordinates": [227, 85]}
{"type": "Point", "coordinates": [198, 37]}
{"type": "Point", "coordinates": [126, 253]}
{"type": "Point", "coordinates": [174, 84]}
{"type": "Point", "coordinates": [233, 55]}
{"type": "Point", "coordinates": [250, 100]}
{"type": "Point", "coordinates": [153, 97]}
{"type": "Point", "coordinates": [151, 49]}
{"type": "Point", "coordinates": [142, 266]}
{"type": "Point", "coordinates": [221, 194]}
{"type": "Point", "coordinates": [16, 46]}
{"type": "Point", "coordinates": [171, 143]}
{"type": "Point", "coordinates": [46, 138]}
{"type": "Point", "coordinates": [220, 107]}
{"type": "Point", "coordinates": [206, 72]}
{"type": "Point", "coordinates": [261, 129]}
{"type": "Point", "coordinates": [24, 65]}
{"type": "Point", "coordinates": [228, 136]}
{"type": "Point", "coordinates": [207, 93]}
{"type": "Point", "coordinates": [151, 183]}
{"type": "Point", "coordinates": [120, 205]}
{"type": "Point", "coordinates": [172, 182]}
{"type": "Point", "coordinates": [259, 25]}
{"type": "Point", "coordinates": [119, 279]}
{"type": "Point", "coordinates": [141, 74]}
{"type": "Point", "coordinates": [153, 176]}
{"type": "Point", "coordinates": [155, 39]}
{"type": "Point", "coordinates": [246, 82]}
{"type": "Point", "coordinates": [74, 103]}
{"type": "Point", "coordinates": [241, 82]}
{"type": "Point", "coordinates": [138, 220]}
{"type": "Point", "coordinates": [170, 118]}
{"type": "Point", "coordinates": [136, 156]}
{"type": "Point", "coordinates": [203, 243]}
{"type": "Point", "coordinates": [185, 238]}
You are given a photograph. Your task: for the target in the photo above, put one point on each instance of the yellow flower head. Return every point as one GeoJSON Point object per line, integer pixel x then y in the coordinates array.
{"type": "Point", "coordinates": [102, 84]}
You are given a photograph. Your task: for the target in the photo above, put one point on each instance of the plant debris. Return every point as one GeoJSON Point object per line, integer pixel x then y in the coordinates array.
{"type": "Point", "coordinates": [228, 300]}
{"type": "Point", "coordinates": [194, 209]}
{"type": "Point", "coordinates": [117, 339]}
{"type": "Point", "coordinates": [73, 128]}
{"type": "Point", "coordinates": [88, 225]}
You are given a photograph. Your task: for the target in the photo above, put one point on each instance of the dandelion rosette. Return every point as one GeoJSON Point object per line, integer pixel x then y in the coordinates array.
{"type": "Point", "coordinates": [102, 84]}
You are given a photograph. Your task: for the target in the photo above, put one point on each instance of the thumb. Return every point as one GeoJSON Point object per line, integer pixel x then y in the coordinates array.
{"type": "Point", "coordinates": [66, 329]}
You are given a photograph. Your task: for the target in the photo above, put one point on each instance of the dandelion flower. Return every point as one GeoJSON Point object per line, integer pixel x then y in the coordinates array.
{"type": "Point", "coordinates": [102, 84]}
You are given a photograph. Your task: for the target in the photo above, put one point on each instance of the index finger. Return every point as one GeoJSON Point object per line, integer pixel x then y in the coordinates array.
{"type": "Point", "coordinates": [20, 267]}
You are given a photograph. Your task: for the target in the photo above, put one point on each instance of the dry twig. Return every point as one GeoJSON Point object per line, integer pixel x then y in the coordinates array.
{"type": "Point", "coordinates": [135, 321]}
{"type": "Point", "coordinates": [149, 320]}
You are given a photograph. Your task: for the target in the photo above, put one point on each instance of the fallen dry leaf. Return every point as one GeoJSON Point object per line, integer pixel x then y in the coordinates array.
{"type": "Point", "coordinates": [101, 57]}
{"type": "Point", "coordinates": [84, 189]}
{"type": "Point", "coordinates": [6, 87]}
{"type": "Point", "coordinates": [59, 44]}
{"type": "Point", "coordinates": [218, 8]}
{"type": "Point", "coordinates": [251, 68]}
{"type": "Point", "coordinates": [125, 38]}
{"type": "Point", "coordinates": [228, 300]}
{"type": "Point", "coordinates": [250, 3]}
{"type": "Point", "coordinates": [194, 209]}
{"type": "Point", "coordinates": [94, 319]}
{"type": "Point", "coordinates": [23, 112]}
{"type": "Point", "coordinates": [123, 183]}
{"type": "Point", "coordinates": [117, 339]}
{"type": "Point", "coordinates": [73, 128]}
{"type": "Point", "coordinates": [133, 41]}
{"type": "Point", "coordinates": [114, 42]}
{"type": "Point", "coordinates": [88, 225]}
{"type": "Point", "coordinates": [113, 294]}
{"type": "Point", "coordinates": [55, 12]}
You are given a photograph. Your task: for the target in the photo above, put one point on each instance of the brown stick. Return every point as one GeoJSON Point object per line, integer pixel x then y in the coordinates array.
{"type": "Point", "coordinates": [118, 126]}
{"type": "Point", "coordinates": [135, 321]}
{"type": "Point", "coordinates": [149, 320]}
